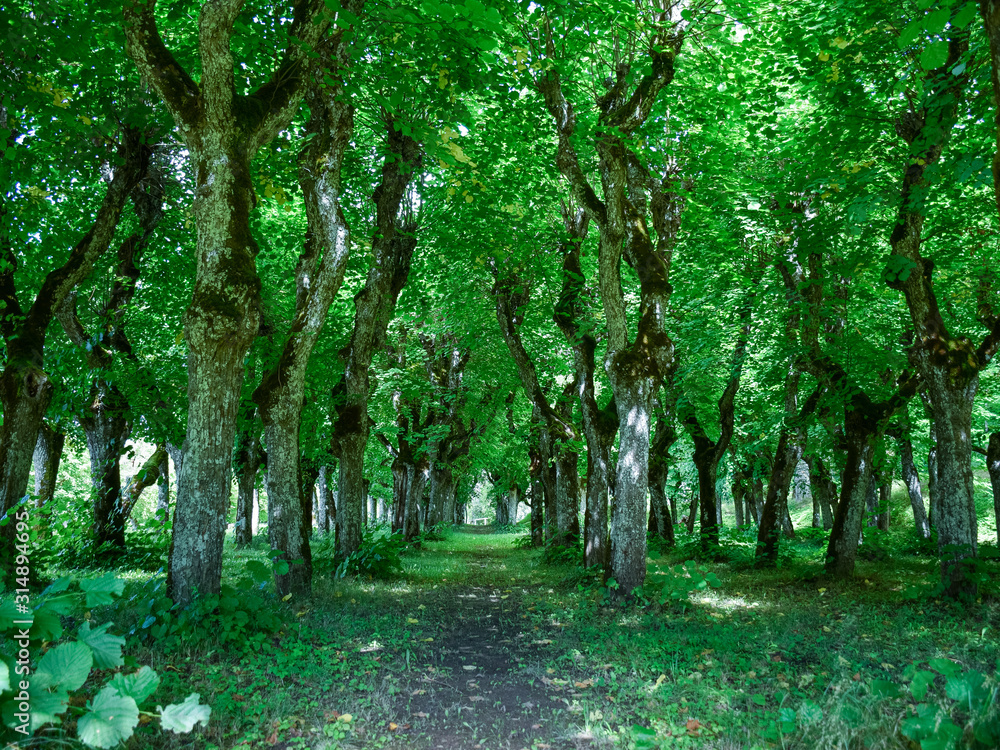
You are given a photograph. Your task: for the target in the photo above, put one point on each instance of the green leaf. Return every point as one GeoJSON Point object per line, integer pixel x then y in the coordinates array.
{"type": "Point", "coordinates": [964, 689]}
{"type": "Point", "coordinates": [966, 14]}
{"type": "Point", "coordinates": [897, 268]}
{"type": "Point", "coordinates": [107, 648]}
{"type": "Point", "coordinates": [921, 681]}
{"type": "Point", "coordinates": [182, 717]}
{"type": "Point", "coordinates": [110, 719]}
{"type": "Point", "coordinates": [47, 625]}
{"type": "Point", "coordinates": [45, 707]}
{"type": "Point", "coordinates": [934, 55]}
{"type": "Point", "coordinates": [935, 22]}
{"type": "Point", "coordinates": [67, 665]}
{"type": "Point", "coordinates": [102, 590]}
{"type": "Point", "coordinates": [910, 32]}
{"type": "Point", "coordinates": [4, 676]}
{"type": "Point", "coordinates": [759, 699]}
{"type": "Point", "coordinates": [138, 686]}
{"type": "Point", "coordinates": [885, 689]}
{"type": "Point", "coordinates": [9, 613]}
{"type": "Point", "coordinates": [945, 666]}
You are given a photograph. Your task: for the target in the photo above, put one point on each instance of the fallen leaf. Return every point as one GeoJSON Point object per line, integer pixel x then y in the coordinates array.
{"type": "Point", "coordinates": [693, 727]}
{"type": "Point", "coordinates": [393, 727]}
{"type": "Point", "coordinates": [469, 668]}
{"type": "Point", "coordinates": [584, 684]}
{"type": "Point", "coordinates": [421, 715]}
{"type": "Point", "coordinates": [477, 698]}
{"type": "Point", "coordinates": [412, 620]}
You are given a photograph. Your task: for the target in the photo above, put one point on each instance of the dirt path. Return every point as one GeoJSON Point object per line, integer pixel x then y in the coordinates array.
{"type": "Point", "coordinates": [488, 685]}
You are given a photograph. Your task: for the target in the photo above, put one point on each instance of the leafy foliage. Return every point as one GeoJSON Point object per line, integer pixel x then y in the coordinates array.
{"type": "Point", "coordinates": [32, 699]}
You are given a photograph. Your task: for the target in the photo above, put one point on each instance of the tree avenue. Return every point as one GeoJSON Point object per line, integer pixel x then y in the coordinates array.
{"type": "Point", "coordinates": [701, 278]}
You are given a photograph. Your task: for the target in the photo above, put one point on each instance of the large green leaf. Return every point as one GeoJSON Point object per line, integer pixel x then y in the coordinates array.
{"type": "Point", "coordinates": [9, 613]}
{"type": "Point", "coordinates": [110, 719]}
{"type": "Point", "coordinates": [934, 55]}
{"type": "Point", "coordinates": [47, 625]}
{"type": "Point", "coordinates": [107, 648]}
{"type": "Point", "coordinates": [182, 717]}
{"type": "Point", "coordinates": [67, 665]}
{"type": "Point", "coordinates": [46, 706]}
{"type": "Point", "coordinates": [102, 590]}
{"type": "Point", "coordinates": [138, 685]}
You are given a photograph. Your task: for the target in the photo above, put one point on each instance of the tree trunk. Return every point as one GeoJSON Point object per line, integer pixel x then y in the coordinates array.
{"type": "Point", "coordinates": [247, 460]}
{"type": "Point", "coordinates": [628, 510]}
{"type": "Point", "coordinates": [162, 513]}
{"type": "Point", "coordinates": [47, 455]}
{"type": "Point", "coordinates": [823, 489]}
{"type": "Point", "coordinates": [222, 134]}
{"type": "Point", "coordinates": [25, 387]}
{"type": "Point", "coordinates": [443, 494]}
{"type": "Point", "coordinates": [739, 490]}
{"type": "Point", "coordinates": [416, 475]}
{"type": "Point", "coordinates": [993, 467]}
{"type": "Point", "coordinates": [393, 244]}
{"type": "Point", "coordinates": [537, 518]}
{"type": "Point", "coordinates": [884, 496]}
{"type": "Point", "coordinates": [106, 430]}
{"type": "Point", "coordinates": [912, 480]}
{"type": "Point", "coordinates": [949, 364]}
{"type": "Point", "coordinates": [691, 518]}
{"type": "Point", "coordinates": [843, 547]}
{"type": "Point", "coordinates": [326, 511]}
{"type": "Point", "coordinates": [871, 501]}
{"type": "Point", "coordinates": [400, 490]}
{"type": "Point", "coordinates": [147, 475]}
{"type": "Point", "coordinates": [772, 516]}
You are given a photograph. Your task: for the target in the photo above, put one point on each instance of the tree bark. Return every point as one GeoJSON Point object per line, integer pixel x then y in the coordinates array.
{"type": "Point", "coordinates": [786, 456]}
{"type": "Point", "coordinates": [707, 452]}
{"type": "Point", "coordinates": [823, 488]}
{"type": "Point", "coordinates": [661, 520]}
{"type": "Point", "coordinates": [912, 480]}
{"type": "Point", "coordinates": [247, 460]}
{"type": "Point", "coordinates": [147, 475]}
{"type": "Point", "coordinates": [599, 425]}
{"type": "Point", "coordinates": [162, 512]}
{"type": "Point", "coordinates": [46, 458]}
{"type": "Point", "coordinates": [327, 511]}
{"type": "Point", "coordinates": [993, 467]}
{"type": "Point", "coordinates": [393, 244]}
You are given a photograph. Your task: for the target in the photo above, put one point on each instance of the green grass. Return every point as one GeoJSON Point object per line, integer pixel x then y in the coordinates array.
{"type": "Point", "coordinates": [777, 658]}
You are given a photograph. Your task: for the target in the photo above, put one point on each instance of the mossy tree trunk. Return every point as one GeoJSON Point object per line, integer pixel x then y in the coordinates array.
{"type": "Point", "coordinates": [318, 276]}
{"type": "Point", "coordinates": [393, 243]}
{"type": "Point", "coordinates": [635, 365]}
{"type": "Point", "coordinates": [223, 131]}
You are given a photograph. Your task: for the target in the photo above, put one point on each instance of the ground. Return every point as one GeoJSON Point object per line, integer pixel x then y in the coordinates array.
{"type": "Point", "coordinates": [479, 644]}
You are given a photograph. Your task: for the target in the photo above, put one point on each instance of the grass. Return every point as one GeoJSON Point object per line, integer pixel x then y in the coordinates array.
{"type": "Point", "coordinates": [479, 644]}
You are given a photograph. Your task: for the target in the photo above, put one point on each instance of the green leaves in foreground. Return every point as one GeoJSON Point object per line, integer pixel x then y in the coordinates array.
{"type": "Point", "coordinates": [112, 715]}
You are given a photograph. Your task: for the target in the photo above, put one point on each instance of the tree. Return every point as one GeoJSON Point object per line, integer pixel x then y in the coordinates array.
{"type": "Point", "coordinates": [222, 129]}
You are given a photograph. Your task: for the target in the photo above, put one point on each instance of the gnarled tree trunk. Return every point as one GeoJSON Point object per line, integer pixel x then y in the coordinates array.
{"type": "Point", "coordinates": [222, 132]}
{"type": "Point", "coordinates": [393, 244]}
